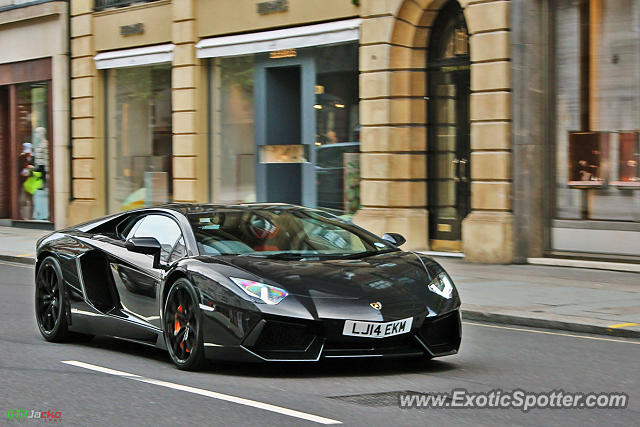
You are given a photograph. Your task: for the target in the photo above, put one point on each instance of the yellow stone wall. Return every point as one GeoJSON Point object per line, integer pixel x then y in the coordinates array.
{"type": "Point", "coordinates": [236, 16]}
{"type": "Point", "coordinates": [190, 147]}
{"type": "Point", "coordinates": [86, 109]}
{"type": "Point", "coordinates": [94, 32]}
{"type": "Point", "coordinates": [393, 52]}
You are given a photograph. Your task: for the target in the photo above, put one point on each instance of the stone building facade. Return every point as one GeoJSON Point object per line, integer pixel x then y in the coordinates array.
{"type": "Point", "coordinates": [34, 113]}
{"type": "Point", "coordinates": [393, 52]}
{"type": "Point", "coordinates": [457, 115]}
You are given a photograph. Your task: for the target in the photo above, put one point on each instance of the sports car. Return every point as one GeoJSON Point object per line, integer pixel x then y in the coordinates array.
{"type": "Point", "coordinates": [245, 282]}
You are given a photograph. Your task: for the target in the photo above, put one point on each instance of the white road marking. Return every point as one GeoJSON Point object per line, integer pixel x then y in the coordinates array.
{"type": "Point", "coordinates": [550, 333]}
{"type": "Point", "coordinates": [206, 393]}
{"type": "Point", "coordinates": [100, 369]}
{"type": "Point", "coordinates": [17, 264]}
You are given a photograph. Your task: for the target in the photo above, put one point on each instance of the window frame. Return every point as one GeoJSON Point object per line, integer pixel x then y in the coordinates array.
{"type": "Point", "coordinates": [140, 217]}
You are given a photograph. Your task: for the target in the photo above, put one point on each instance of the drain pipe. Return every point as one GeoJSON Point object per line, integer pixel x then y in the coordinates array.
{"type": "Point", "coordinates": [69, 124]}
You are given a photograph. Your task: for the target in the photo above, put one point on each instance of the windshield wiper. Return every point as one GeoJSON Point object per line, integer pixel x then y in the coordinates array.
{"type": "Point", "coordinates": [368, 253]}
{"type": "Point", "coordinates": [305, 255]}
{"type": "Point", "coordinates": [280, 255]}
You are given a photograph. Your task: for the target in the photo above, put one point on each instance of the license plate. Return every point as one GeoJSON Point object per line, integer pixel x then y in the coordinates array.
{"type": "Point", "coordinates": [356, 328]}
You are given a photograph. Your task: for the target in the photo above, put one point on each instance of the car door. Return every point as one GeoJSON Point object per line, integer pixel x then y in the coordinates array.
{"type": "Point", "coordinates": [136, 280]}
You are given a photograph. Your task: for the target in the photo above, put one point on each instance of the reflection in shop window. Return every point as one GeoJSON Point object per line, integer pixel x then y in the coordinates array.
{"type": "Point", "coordinates": [337, 130]}
{"type": "Point", "coordinates": [233, 127]}
{"type": "Point", "coordinates": [613, 103]}
{"type": "Point", "coordinates": [337, 139]}
{"type": "Point", "coordinates": [139, 132]}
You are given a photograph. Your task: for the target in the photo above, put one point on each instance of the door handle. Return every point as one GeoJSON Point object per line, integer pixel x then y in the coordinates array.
{"type": "Point", "coordinates": [463, 170]}
{"type": "Point", "coordinates": [454, 169]}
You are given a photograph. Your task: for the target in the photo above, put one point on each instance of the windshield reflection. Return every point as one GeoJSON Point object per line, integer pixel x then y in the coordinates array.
{"type": "Point", "coordinates": [282, 233]}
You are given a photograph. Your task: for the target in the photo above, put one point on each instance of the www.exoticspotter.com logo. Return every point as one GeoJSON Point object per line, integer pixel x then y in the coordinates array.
{"type": "Point", "coordinates": [25, 414]}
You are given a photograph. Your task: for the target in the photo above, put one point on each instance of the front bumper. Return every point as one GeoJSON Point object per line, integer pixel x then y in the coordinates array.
{"type": "Point", "coordinates": [283, 339]}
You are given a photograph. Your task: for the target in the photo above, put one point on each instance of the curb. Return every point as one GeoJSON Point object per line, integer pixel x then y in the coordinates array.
{"type": "Point", "coordinates": [507, 319]}
{"type": "Point", "coordinates": [18, 259]}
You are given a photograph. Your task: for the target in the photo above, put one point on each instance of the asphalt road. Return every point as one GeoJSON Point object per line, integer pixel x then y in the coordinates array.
{"type": "Point", "coordinates": [33, 377]}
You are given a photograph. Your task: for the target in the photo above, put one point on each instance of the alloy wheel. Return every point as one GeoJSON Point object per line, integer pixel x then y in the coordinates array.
{"type": "Point", "coordinates": [48, 298]}
{"type": "Point", "coordinates": [181, 323]}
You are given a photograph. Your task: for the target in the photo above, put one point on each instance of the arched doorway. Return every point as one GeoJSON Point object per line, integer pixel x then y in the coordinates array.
{"type": "Point", "coordinates": [448, 137]}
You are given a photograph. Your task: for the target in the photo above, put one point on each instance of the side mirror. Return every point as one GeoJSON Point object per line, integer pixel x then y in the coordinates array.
{"type": "Point", "coordinates": [147, 246]}
{"type": "Point", "coordinates": [395, 239]}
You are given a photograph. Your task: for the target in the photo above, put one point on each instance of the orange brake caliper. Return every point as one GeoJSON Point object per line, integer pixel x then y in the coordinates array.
{"type": "Point", "coordinates": [176, 322]}
{"type": "Point", "coordinates": [176, 328]}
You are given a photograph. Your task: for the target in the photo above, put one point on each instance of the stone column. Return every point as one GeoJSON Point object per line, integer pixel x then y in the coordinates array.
{"type": "Point", "coordinates": [487, 232]}
{"type": "Point", "coordinates": [60, 116]}
{"type": "Point", "coordinates": [86, 143]}
{"type": "Point", "coordinates": [190, 181]}
{"type": "Point", "coordinates": [393, 188]}
{"type": "Point", "coordinates": [529, 126]}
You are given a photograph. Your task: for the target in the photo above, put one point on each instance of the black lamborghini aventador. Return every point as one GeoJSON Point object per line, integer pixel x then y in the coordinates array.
{"type": "Point", "coordinates": [253, 282]}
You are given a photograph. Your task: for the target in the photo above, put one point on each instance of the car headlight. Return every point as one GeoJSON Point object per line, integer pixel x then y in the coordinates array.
{"type": "Point", "coordinates": [265, 293]}
{"type": "Point", "coordinates": [442, 285]}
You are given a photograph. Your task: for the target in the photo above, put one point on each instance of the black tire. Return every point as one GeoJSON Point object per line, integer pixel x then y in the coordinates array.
{"type": "Point", "coordinates": [51, 302]}
{"type": "Point", "coordinates": [182, 326]}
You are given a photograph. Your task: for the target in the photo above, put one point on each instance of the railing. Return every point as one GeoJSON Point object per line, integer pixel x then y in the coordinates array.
{"type": "Point", "coordinates": [11, 4]}
{"type": "Point", "coordinates": [99, 5]}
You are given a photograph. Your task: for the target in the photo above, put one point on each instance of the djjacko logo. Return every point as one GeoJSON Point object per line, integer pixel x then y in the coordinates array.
{"type": "Point", "coordinates": [25, 414]}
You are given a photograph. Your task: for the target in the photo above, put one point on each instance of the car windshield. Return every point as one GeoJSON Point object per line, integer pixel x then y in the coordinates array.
{"type": "Point", "coordinates": [281, 232]}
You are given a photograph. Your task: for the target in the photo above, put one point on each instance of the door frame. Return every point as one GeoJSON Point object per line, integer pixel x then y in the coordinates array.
{"type": "Point", "coordinates": [306, 64]}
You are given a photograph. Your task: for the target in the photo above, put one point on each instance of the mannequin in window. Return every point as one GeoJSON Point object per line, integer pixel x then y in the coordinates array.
{"type": "Point", "coordinates": [41, 196]}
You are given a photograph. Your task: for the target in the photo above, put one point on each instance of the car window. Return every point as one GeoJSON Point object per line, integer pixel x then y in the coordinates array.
{"type": "Point", "coordinates": [279, 230]}
{"type": "Point", "coordinates": [166, 231]}
{"type": "Point", "coordinates": [125, 227]}
{"type": "Point", "coordinates": [179, 251]}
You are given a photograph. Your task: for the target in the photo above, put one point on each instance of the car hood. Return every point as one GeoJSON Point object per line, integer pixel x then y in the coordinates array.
{"type": "Point", "coordinates": [398, 280]}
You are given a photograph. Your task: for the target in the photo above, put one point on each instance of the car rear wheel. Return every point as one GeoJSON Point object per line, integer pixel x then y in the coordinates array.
{"type": "Point", "coordinates": [51, 306]}
{"type": "Point", "coordinates": [182, 326]}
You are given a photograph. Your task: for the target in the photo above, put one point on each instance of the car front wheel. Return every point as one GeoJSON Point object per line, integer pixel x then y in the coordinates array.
{"type": "Point", "coordinates": [51, 314]}
{"type": "Point", "coordinates": [182, 326]}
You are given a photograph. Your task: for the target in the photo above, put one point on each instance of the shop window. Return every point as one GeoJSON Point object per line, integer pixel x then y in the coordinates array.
{"type": "Point", "coordinates": [337, 141]}
{"type": "Point", "coordinates": [628, 160]}
{"type": "Point", "coordinates": [588, 157]}
{"type": "Point", "coordinates": [334, 149]}
{"type": "Point", "coordinates": [597, 109]}
{"type": "Point", "coordinates": [34, 163]}
{"type": "Point", "coordinates": [139, 133]}
{"type": "Point", "coordinates": [232, 126]}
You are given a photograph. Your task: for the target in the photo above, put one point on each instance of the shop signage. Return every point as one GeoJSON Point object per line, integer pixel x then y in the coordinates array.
{"type": "Point", "coordinates": [128, 30]}
{"type": "Point", "coordinates": [290, 153]}
{"type": "Point", "coordinates": [454, 68]}
{"type": "Point", "coordinates": [284, 53]}
{"type": "Point", "coordinates": [445, 228]}
{"type": "Point", "coordinates": [272, 6]}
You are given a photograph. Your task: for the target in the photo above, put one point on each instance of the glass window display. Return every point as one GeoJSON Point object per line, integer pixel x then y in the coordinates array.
{"type": "Point", "coordinates": [587, 158]}
{"type": "Point", "coordinates": [32, 126]}
{"type": "Point", "coordinates": [337, 140]}
{"type": "Point", "coordinates": [139, 137]}
{"type": "Point", "coordinates": [600, 107]}
{"type": "Point", "coordinates": [628, 160]}
{"type": "Point", "coordinates": [232, 128]}
{"type": "Point", "coordinates": [331, 146]}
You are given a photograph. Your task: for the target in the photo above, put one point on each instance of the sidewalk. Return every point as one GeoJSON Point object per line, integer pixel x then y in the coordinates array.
{"type": "Point", "coordinates": [565, 298]}
{"type": "Point", "coordinates": [19, 244]}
